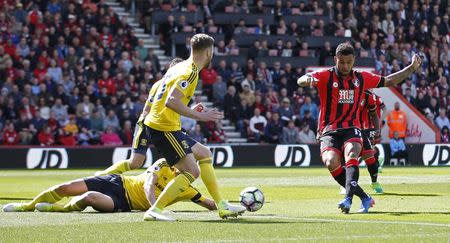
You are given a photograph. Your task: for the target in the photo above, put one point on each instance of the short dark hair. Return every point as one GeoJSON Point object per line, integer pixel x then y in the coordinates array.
{"type": "Point", "coordinates": [345, 49]}
{"type": "Point", "coordinates": [200, 42]}
{"type": "Point", "coordinates": [175, 61]}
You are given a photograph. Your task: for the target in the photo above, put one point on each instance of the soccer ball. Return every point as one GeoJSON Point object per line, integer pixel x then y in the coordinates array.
{"type": "Point", "coordinates": [251, 198]}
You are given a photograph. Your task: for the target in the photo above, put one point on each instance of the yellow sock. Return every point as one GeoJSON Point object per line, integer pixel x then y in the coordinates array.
{"type": "Point", "coordinates": [209, 179]}
{"type": "Point", "coordinates": [75, 204]}
{"type": "Point", "coordinates": [49, 196]}
{"type": "Point", "coordinates": [173, 189]}
{"type": "Point", "coordinates": [117, 168]}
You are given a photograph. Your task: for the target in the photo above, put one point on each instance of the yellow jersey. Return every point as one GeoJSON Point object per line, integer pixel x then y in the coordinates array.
{"type": "Point", "coordinates": [184, 77]}
{"type": "Point", "coordinates": [152, 93]}
{"type": "Point", "coordinates": [134, 186]}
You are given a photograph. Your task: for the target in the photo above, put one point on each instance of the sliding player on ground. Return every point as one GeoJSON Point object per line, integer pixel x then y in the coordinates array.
{"type": "Point", "coordinates": [140, 139]}
{"type": "Point", "coordinates": [341, 92]}
{"type": "Point", "coordinates": [112, 193]}
{"type": "Point", "coordinates": [181, 151]}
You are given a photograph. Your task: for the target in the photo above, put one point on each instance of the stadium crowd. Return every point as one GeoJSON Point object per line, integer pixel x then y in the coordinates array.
{"type": "Point", "coordinates": [73, 72]}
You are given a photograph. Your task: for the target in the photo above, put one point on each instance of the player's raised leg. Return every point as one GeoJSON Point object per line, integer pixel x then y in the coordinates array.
{"type": "Point", "coordinates": [209, 178]}
{"type": "Point", "coordinates": [189, 171]}
{"type": "Point", "coordinates": [51, 195]}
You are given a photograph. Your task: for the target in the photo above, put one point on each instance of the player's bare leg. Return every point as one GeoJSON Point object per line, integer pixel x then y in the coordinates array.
{"type": "Point", "coordinates": [51, 195]}
{"type": "Point", "coordinates": [135, 162]}
{"type": "Point", "coordinates": [208, 175]}
{"type": "Point", "coordinates": [352, 151]}
{"type": "Point", "coordinates": [189, 171]}
{"type": "Point", "coordinates": [97, 200]}
{"type": "Point", "coordinates": [372, 167]}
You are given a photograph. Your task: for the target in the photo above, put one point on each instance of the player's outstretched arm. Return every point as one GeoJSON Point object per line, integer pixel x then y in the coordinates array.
{"type": "Point", "coordinates": [174, 102]}
{"type": "Point", "coordinates": [307, 80]}
{"type": "Point", "coordinates": [396, 78]}
{"type": "Point", "coordinates": [149, 188]}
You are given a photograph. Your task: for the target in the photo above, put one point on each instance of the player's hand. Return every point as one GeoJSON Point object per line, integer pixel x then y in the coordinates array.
{"type": "Point", "coordinates": [211, 115]}
{"type": "Point", "coordinates": [198, 107]}
{"type": "Point", "coordinates": [416, 62]}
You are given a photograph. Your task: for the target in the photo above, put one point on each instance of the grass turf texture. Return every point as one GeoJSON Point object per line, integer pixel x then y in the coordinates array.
{"type": "Point", "coordinates": [300, 205]}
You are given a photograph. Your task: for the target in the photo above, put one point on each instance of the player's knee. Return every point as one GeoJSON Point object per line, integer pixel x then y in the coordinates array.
{"type": "Point", "coordinates": [194, 171]}
{"type": "Point", "coordinates": [90, 198]}
{"type": "Point", "coordinates": [62, 189]}
{"type": "Point", "coordinates": [201, 152]}
{"type": "Point", "coordinates": [331, 161]}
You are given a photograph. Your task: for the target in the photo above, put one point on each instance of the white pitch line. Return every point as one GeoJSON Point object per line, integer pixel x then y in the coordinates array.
{"type": "Point", "coordinates": [354, 221]}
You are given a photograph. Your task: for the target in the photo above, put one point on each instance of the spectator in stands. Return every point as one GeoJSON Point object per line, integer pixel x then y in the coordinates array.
{"type": "Point", "coordinates": [198, 135]}
{"type": "Point", "coordinates": [307, 135]}
{"type": "Point", "coordinates": [286, 112]}
{"type": "Point", "coordinates": [305, 51]}
{"type": "Point", "coordinates": [220, 49]}
{"type": "Point", "coordinates": [290, 134]}
{"type": "Point", "coordinates": [274, 129]}
{"type": "Point", "coordinates": [96, 121]}
{"type": "Point", "coordinates": [287, 49]}
{"type": "Point", "coordinates": [263, 74]}
{"type": "Point", "coordinates": [397, 122]}
{"type": "Point", "coordinates": [409, 97]}
{"type": "Point", "coordinates": [445, 136]}
{"type": "Point", "coordinates": [231, 103]}
{"type": "Point", "coordinates": [241, 28]}
{"type": "Point", "coordinates": [110, 138]}
{"type": "Point", "coordinates": [247, 94]}
{"type": "Point", "coordinates": [26, 132]}
{"type": "Point", "coordinates": [250, 82]}
{"type": "Point", "coordinates": [257, 126]}
{"type": "Point", "coordinates": [398, 148]}
{"type": "Point", "coordinates": [71, 127]}
{"type": "Point", "coordinates": [37, 121]}
{"type": "Point", "coordinates": [10, 136]}
{"type": "Point", "coordinates": [111, 121]}
{"type": "Point", "coordinates": [85, 108]}
{"type": "Point", "coordinates": [244, 114]}
{"type": "Point", "coordinates": [209, 77]}
{"type": "Point", "coordinates": [311, 107]}
{"type": "Point", "coordinates": [45, 137]}
{"type": "Point", "coordinates": [218, 134]}
{"type": "Point", "coordinates": [236, 75]}
{"type": "Point", "coordinates": [442, 120]}
{"type": "Point", "coordinates": [126, 134]}
{"type": "Point", "coordinates": [60, 111]}
{"type": "Point", "coordinates": [232, 49]}
{"type": "Point", "coordinates": [219, 91]}
{"type": "Point", "coordinates": [325, 52]}
{"type": "Point", "coordinates": [165, 30]}
{"type": "Point", "coordinates": [223, 70]}
{"type": "Point", "coordinates": [86, 137]}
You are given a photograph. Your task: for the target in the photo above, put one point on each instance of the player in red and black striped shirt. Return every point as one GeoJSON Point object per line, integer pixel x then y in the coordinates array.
{"type": "Point", "coordinates": [341, 92]}
{"type": "Point", "coordinates": [370, 124]}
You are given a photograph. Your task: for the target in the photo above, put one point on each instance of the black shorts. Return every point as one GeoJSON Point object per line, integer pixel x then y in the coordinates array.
{"type": "Point", "coordinates": [367, 136]}
{"type": "Point", "coordinates": [112, 186]}
{"type": "Point", "coordinates": [336, 140]}
{"type": "Point", "coordinates": [173, 146]}
{"type": "Point", "coordinates": [140, 139]}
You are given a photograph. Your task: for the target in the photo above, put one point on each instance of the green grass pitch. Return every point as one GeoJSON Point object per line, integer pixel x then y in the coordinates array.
{"type": "Point", "coordinates": [300, 206]}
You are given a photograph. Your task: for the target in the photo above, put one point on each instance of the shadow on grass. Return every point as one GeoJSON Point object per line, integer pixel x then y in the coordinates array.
{"type": "Point", "coordinates": [244, 221]}
{"type": "Point", "coordinates": [15, 198]}
{"type": "Point", "coordinates": [409, 213]}
{"type": "Point", "coordinates": [410, 194]}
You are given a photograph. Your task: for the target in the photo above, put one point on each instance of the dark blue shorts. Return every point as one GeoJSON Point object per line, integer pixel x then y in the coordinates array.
{"type": "Point", "coordinates": [112, 186]}
{"type": "Point", "coordinates": [173, 146]}
{"type": "Point", "coordinates": [140, 139]}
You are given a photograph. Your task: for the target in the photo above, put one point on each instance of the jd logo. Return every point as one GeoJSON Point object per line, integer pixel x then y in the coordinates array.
{"type": "Point", "coordinates": [292, 155]}
{"type": "Point", "coordinates": [125, 153]}
{"type": "Point", "coordinates": [43, 158]}
{"type": "Point", "coordinates": [222, 155]}
{"type": "Point", "coordinates": [436, 154]}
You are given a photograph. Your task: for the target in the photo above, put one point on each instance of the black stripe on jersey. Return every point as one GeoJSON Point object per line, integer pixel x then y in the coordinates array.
{"type": "Point", "coordinates": [351, 86]}
{"type": "Point", "coordinates": [196, 198]}
{"type": "Point", "coordinates": [193, 74]}
{"type": "Point", "coordinates": [366, 97]}
{"type": "Point", "coordinates": [381, 83]}
{"type": "Point", "coordinates": [329, 97]}
{"type": "Point", "coordinates": [339, 106]}
{"type": "Point", "coordinates": [361, 89]}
